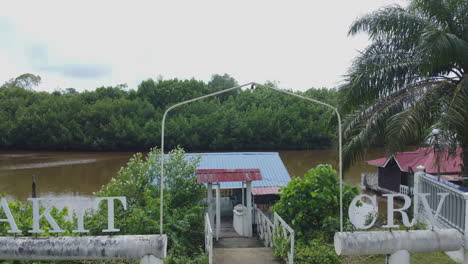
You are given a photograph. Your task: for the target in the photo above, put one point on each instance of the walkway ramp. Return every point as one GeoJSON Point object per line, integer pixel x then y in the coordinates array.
{"type": "Point", "coordinates": [244, 256]}
{"type": "Point", "coordinates": [234, 249]}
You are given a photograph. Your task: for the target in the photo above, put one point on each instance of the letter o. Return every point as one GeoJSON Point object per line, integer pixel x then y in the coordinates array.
{"type": "Point", "coordinates": [356, 214]}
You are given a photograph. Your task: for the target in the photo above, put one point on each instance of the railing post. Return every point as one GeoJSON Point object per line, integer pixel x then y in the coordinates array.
{"type": "Point", "coordinates": [465, 235]}
{"type": "Point", "coordinates": [218, 210]}
{"type": "Point", "coordinates": [416, 191]}
{"type": "Point", "coordinates": [210, 203]}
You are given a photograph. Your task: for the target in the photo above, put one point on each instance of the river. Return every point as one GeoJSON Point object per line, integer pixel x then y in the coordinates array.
{"type": "Point", "coordinates": [69, 174]}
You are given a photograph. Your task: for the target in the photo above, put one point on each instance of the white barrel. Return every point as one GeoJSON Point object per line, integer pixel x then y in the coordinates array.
{"type": "Point", "coordinates": [389, 242]}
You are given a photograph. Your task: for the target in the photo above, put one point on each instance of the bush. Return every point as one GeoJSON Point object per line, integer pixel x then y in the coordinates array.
{"type": "Point", "coordinates": [183, 208]}
{"type": "Point", "coordinates": [311, 205]}
{"type": "Point", "coordinates": [315, 252]}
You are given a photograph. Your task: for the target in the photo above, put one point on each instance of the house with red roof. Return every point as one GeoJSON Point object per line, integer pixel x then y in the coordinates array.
{"type": "Point", "coordinates": [395, 172]}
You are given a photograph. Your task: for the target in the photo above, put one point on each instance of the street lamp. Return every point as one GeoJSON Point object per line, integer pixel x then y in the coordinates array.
{"type": "Point", "coordinates": [435, 133]}
{"type": "Point", "coordinates": [252, 86]}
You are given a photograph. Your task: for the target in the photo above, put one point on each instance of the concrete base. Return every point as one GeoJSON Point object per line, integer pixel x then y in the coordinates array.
{"type": "Point", "coordinates": [456, 256]}
{"type": "Point", "coordinates": [150, 259]}
{"type": "Point", "coordinates": [399, 257]}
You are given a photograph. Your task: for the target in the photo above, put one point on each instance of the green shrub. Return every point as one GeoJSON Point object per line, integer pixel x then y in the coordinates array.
{"type": "Point", "coordinates": [183, 208]}
{"type": "Point", "coordinates": [311, 204]}
{"type": "Point", "coordinates": [315, 252]}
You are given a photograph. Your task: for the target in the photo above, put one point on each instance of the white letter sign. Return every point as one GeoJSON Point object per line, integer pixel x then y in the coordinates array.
{"type": "Point", "coordinates": [391, 210]}
{"type": "Point", "coordinates": [427, 209]}
{"type": "Point", "coordinates": [9, 217]}
{"type": "Point", "coordinates": [110, 211]}
{"type": "Point", "coordinates": [37, 217]}
{"type": "Point", "coordinates": [358, 215]}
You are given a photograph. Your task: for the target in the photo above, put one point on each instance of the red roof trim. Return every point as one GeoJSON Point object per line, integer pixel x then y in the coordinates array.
{"type": "Point", "coordinates": [224, 175]}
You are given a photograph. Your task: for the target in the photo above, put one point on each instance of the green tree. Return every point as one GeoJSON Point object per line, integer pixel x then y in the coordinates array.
{"type": "Point", "coordinates": [311, 204]}
{"type": "Point", "coordinates": [410, 79]}
{"type": "Point", "coordinates": [26, 81]}
{"type": "Point", "coordinates": [183, 206]}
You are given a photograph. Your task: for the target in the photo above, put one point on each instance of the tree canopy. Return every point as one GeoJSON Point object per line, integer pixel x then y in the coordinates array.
{"type": "Point", "coordinates": [410, 79]}
{"type": "Point", "coordinates": [119, 118]}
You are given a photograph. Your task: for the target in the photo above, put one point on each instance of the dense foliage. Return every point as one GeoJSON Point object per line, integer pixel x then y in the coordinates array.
{"type": "Point", "coordinates": [311, 203]}
{"type": "Point", "coordinates": [183, 208]}
{"type": "Point", "coordinates": [139, 183]}
{"type": "Point", "coordinates": [410, 79]}
{"type": "Point", "coordinates": [117, 118]}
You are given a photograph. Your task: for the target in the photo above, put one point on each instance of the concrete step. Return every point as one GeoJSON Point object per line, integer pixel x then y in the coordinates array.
{"type": "Point", "coordinates": [244, 256]}
{"type": "Point", "coordinates": [238, 242]}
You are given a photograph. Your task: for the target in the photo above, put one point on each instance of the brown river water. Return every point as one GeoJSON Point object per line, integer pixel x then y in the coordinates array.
{"type": "Point", "coordinates": [71, 174]}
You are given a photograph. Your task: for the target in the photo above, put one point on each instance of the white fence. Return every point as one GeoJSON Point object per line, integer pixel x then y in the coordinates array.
{"type": "Point", "coordinates": [453, 213]}
{"type": "Point", "coordinates": [406, 190]}
{"type": "Point", "coordinates": [265, 228]}
{"type": "Point", "coordinates": [269, 231]}
{"type": "Point", "coordinates": [208, 239]}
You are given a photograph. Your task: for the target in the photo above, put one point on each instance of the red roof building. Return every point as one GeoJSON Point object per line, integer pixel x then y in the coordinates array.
{"type": "Point", "coordinates": [397, 169]}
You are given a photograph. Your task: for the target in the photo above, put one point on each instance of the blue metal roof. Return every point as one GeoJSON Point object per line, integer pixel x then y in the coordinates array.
{"type": "Point", "coordinates": [271, 166]}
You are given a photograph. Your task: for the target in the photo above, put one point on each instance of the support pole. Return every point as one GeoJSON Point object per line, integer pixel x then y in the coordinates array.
{"type": "Point", "coordinates": [249, 208]}
{"type": "Point", "coordinates": [243, 194]}
{"type": "Point", "coordinates": [218, 210]}
{"type": "Point", "coordinates": [399, 257]}
{"type": "Point", "coordinates": [210, 203]}
{"type": "Point", "coordinates": [417, 177]}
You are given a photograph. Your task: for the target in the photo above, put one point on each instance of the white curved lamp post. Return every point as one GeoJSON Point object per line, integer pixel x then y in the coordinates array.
{"type": "Point", "coordinates": [235, 88]}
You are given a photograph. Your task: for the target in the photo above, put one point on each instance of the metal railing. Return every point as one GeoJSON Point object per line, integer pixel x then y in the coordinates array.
{"type": "Point", "coordinates": [282, 229]}
{"type": "Point", "coordinates": [452, 214]}
{"type": "Point", "coordinates": [265, 228]}
{"type": "Point", "coordinates": [270, 232]}
{"type": "Point", "coordinates": [208, 239]}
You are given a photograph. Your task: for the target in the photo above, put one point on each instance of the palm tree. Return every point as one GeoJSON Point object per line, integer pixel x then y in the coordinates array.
{"type": "Point", "coordinates": [411, 78]}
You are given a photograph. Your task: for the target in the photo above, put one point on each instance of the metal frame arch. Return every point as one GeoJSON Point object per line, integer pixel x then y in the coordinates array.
{"type": "Point", "coordinates": [235, 88]}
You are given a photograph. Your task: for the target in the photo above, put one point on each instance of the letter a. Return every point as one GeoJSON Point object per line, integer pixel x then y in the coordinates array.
{"type": "Point", "coordinates": [9, 217]}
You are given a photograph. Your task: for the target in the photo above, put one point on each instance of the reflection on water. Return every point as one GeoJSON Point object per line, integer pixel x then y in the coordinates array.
{"type": "Point", "coordinates": [299, 162]}
{"type": "Point", "coordinates": [59, 174]}
{"type": "Point", "coordinates": [70, 174]}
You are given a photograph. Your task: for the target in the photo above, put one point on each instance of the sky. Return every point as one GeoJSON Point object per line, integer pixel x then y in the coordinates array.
{"type": "Point", "coordinates": [300, 44]}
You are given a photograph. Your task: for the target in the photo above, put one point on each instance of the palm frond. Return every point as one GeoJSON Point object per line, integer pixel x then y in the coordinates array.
{"type": "Point", "coordinates": [390, 22]}
{"type": "Point", "coordinates": [412, 125]}
{"type": "Point", "coordinates": [380, 70]}
{"type": "Point", "coordinates": [442, 50]}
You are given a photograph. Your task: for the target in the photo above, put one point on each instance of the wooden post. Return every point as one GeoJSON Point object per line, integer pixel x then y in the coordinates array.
{"type": "Point", "coordinates": [33, 187]}
{"type": "Point", "coordinates": [218, 210]}
{"type": "Point", "coordinates": [249, 208]}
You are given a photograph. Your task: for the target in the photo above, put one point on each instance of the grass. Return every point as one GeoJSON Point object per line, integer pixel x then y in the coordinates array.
{"type": "Point", "coordinates": [418, 258]}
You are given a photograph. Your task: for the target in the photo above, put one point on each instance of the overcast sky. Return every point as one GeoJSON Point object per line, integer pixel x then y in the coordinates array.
{"type": "Point", "coordinates": [87, 44]}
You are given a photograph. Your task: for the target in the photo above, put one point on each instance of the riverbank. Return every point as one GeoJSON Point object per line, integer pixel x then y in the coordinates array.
{"type": "Point", "coordinates": [82, 173]}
